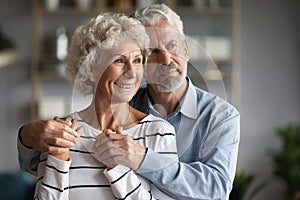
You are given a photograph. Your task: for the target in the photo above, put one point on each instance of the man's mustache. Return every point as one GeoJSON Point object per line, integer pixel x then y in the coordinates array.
{"type": "Point", "coordinates": [166, 68]}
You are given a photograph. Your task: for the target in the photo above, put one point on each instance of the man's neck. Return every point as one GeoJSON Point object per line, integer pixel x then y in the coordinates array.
{"type": "Point", "coordinates": [167, 102]}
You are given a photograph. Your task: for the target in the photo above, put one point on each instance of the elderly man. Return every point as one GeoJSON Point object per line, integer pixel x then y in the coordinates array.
{"type": "Point", "coordinates": [207, 127]}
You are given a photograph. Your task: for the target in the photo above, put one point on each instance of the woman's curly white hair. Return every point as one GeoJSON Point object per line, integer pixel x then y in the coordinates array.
{"type": "Point", "coordinates": [103, 31]}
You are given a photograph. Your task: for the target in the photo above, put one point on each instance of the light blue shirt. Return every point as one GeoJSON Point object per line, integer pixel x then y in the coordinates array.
{"type": "Point", "coordinates": [208, 133]}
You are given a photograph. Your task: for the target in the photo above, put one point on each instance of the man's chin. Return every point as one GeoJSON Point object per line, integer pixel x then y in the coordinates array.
{"type": "Point", "coordinates": [162, 88]}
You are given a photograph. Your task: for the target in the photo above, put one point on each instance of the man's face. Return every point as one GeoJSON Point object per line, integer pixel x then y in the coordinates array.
{"type": "Point", "coordinates": [166, 68]}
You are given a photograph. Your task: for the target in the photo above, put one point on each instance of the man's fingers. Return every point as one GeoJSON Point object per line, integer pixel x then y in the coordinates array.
{"type": "Point", "coordinates": [74, 124]}
{"type": "Point", "coordinates": [67, 130]}
{"type": "Point", "coordinates": [67, 121]}
{"type": "Point", "coordinates": [59, 142]}
{"type": "Point", "coordinates": [66, 134]}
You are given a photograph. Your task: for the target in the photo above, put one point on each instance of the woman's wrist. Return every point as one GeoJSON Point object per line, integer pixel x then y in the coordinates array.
{"type": "Point", "coordinates": [64, 156]}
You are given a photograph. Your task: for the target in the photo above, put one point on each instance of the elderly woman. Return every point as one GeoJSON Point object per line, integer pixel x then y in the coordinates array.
{"type": "Point", "coordinates": [106, 59]}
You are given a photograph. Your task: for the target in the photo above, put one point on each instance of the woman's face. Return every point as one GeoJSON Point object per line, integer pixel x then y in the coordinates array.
{"type": "Point", "coordinates": [122, 74]}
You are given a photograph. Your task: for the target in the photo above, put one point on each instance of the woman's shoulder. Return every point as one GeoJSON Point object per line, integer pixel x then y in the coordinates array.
{"type": "Point", "coordinates": [152, 118]}
{"type": "Point", "coordinates": [155, 122]}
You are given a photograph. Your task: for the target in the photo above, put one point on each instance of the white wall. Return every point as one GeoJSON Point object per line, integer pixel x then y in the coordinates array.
{"type": "Point", "coordinates": [270, 83]}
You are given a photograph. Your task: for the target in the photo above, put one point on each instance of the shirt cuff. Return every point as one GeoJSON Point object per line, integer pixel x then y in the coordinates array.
{"type": "Point", "coordinates": [59, 164]}
{"type": "Point", "coordinates": [24, 150]}
{"type": "Point", "coordinates": [153, 161]}
{"type": "Point", "coordinates": [19, 138]}
{"type": "Point", "coordinates": [115, 172]}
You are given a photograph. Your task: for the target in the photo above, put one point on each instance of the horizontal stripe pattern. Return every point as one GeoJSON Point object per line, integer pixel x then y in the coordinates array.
{"type": "Point", "coordinates": [154, 135]}
{"type": "Point", "coordinates": [84, 177]}
{"type": "Point", "coordinates": [131, 192]}
{"type": "Point", "coordinates": [113, 182]}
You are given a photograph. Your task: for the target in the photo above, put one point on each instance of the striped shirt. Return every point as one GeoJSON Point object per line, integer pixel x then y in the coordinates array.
{"type": "Point", "coordinates": [84, 177]}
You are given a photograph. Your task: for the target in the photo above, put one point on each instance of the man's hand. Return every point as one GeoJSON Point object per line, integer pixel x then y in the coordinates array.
{"type": "Point", "coordinates": [53, 136]}
{"type": "Point", "coordinates": [113, 148]}
{"type": "Point", "coordinates": [66, 155]}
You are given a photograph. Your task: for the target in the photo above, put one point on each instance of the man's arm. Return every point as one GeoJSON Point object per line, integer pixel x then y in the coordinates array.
{"type": "Point", "coordinates": [53, 136]}
{"type": "Point", "coordinates": [209, 177]}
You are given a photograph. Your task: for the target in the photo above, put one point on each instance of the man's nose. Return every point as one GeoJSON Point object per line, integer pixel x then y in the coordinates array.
{"type": "Point", "coordinates": [164, 57]}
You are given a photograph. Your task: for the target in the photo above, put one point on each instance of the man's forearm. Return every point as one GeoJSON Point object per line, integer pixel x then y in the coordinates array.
{"type": "Point", "coordinates": [186, 181]}
{"type": "Point", "coordinates": [28, 158]}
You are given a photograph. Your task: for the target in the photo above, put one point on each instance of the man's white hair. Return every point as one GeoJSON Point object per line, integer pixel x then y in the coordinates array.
{"type": "Point", "coordinates": [151, 15]}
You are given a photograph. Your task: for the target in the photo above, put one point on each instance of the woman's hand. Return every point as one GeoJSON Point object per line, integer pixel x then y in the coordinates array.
{"type": "Point", "coordinates": [113, 148]}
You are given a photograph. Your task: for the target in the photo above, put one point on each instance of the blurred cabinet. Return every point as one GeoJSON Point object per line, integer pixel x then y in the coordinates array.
{"type": "Point", "coordinates": [213, 28]}
{"type": "Point", "coordinates": [51, 93]}
{"type": "Point", "coordinates": [213, 24]}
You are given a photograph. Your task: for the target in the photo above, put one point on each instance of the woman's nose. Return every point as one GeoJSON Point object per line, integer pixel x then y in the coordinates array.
{"type": "Point", "coordinates": [129, 71]}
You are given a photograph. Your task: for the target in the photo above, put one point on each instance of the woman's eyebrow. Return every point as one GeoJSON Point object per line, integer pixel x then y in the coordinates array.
{"type": "Point", "coordinates": [123, 55]}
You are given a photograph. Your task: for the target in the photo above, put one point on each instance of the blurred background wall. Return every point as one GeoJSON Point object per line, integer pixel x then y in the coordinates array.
{"type": "Point", "coordinates": [269, 82]}
{"type": "Point", "coordinates": [15, 90]}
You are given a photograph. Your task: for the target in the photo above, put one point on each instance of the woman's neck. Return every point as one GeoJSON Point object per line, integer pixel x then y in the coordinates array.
{"type": "Point", "coordinates": [102, 116]}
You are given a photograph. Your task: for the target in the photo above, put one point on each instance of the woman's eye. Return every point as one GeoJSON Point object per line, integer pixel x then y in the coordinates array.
{"type": "Point", "coordinates": [153, 51]}
{"type": "Point", "coordinates": [137, 61]}
{"type": "Point", "coordinates": [117, 61]}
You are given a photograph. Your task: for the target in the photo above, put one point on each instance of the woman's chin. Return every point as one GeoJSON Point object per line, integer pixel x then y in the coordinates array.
{"type": "Point", "coordinates": [119, 98]}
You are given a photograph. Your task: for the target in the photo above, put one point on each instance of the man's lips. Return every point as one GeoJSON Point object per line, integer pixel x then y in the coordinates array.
{"type": "Point", "coordinates": [170, 72]}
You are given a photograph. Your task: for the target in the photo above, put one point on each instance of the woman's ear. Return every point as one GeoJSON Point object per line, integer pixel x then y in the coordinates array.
{"type": "Point", "coordinates": [92, 75]}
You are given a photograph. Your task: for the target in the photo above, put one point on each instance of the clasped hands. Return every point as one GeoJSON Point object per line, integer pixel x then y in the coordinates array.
{"type": "Point", "coordinates": [57, 136]}
{"type": "Point", "coordinates": [113, 148]}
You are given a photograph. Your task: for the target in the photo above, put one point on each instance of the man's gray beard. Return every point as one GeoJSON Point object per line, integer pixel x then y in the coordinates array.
{"type": "Point", "coordinates": [170, 84]}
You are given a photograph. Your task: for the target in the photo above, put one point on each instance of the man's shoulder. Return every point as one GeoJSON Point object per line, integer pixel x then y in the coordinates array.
{"type": "Point", "coordinates": [140, 99]}
{"type": "Point", "coordinates": [141, 93]}
{"type": "Point", "coordinates": [213, 102]}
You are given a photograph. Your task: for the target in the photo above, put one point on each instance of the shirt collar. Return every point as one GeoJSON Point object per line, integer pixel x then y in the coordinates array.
{"type": "Point", "coordinates": [188, 103]}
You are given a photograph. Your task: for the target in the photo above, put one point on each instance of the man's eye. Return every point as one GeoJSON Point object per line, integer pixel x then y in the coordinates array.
{"type": "Point", "coordinates": [153, 51]}
{"type": "Point", "coordinates": [172, 46]}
